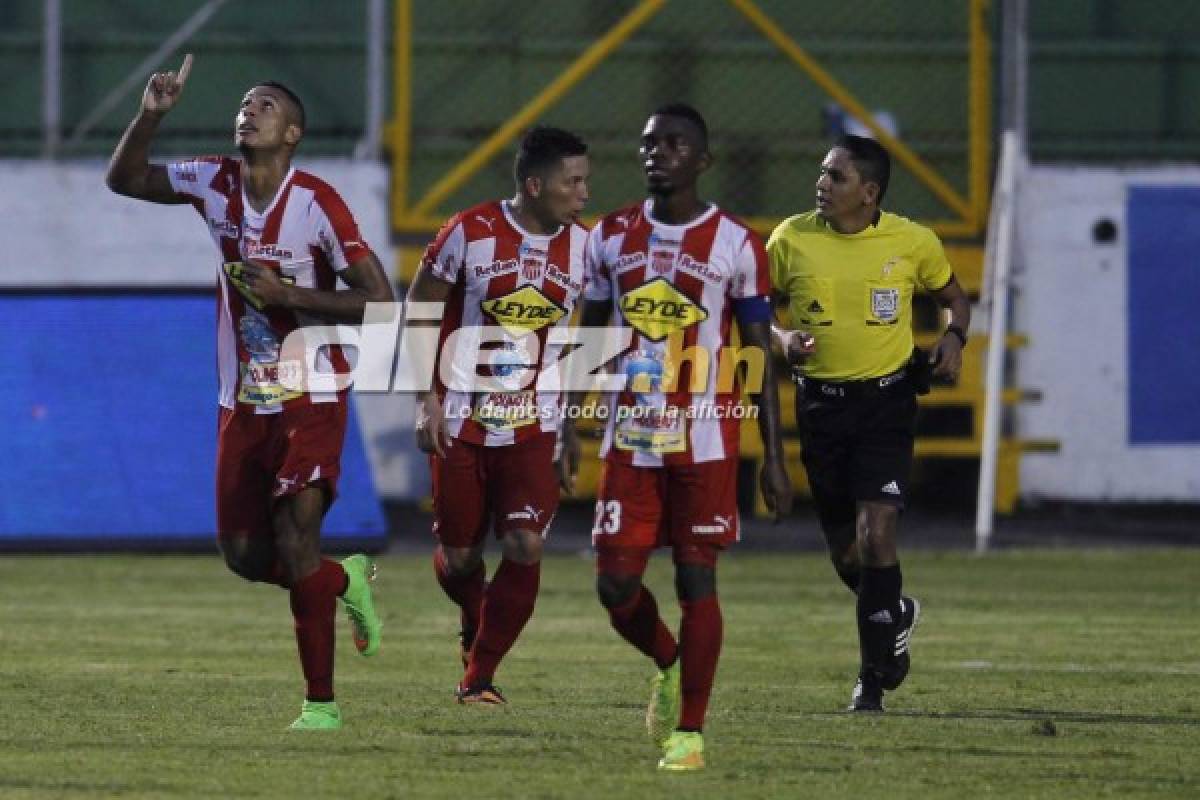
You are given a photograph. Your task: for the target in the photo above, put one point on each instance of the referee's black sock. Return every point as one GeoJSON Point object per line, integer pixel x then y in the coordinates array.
{"type": "Point", "coordinates": [851, 576]}
{"type": "Point", "coordinates": [878, 615]}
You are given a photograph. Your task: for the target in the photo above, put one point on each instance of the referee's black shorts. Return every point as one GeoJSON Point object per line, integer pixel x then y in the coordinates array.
{"type": "Point", "coordinates": [857, 439]}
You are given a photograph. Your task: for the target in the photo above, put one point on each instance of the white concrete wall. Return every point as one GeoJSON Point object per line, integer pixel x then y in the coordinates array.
{"type": "Point", "coordinates": [1071, 300]}
{"type": "Point", "coordinates": [62, 228]}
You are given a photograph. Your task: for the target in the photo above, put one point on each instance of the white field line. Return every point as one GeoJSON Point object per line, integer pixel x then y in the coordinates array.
{"type": "Point", "coordinates": [1145, 669]}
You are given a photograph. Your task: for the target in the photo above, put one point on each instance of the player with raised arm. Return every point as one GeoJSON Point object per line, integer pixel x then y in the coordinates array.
{"type": "Point", "coordinates": [285, 237]}
{"type": "Point", "coordinates": [679, 271]}
{"type": "Point", "coordinates": [515, 265]}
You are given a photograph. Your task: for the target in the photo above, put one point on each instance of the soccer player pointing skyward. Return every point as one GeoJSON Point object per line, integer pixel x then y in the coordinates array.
{"type": "Point", "coordinates": [676, 272]}
{"type": "Point", "coordinates": [285, 238]}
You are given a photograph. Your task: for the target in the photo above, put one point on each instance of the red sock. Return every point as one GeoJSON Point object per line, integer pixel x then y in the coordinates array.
{"type": "Point", "coordinates": [639, 623]}
{"type": "Point", "coordinates": [507, 606]}
{"type": "Point", "coordinates": [699, 648]}
{"type": "Point", "coordinates": [465, 590]}
{"type": "Point", "coordinates": [314, 601]}
{"type": "Point", "coordinates": [276, 576]}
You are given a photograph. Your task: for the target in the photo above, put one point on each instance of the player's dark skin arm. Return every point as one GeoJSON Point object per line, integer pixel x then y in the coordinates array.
{"type": "Point", "coordinates": [130, 172]}
{"type": "Point", "coordinates": [776, 487]}
{"type": "Point", "coordinates": [365, 277]}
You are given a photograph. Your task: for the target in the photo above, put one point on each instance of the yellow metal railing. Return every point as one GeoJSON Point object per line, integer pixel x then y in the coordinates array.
{"type": "Point", "coordinates": [425, 215]}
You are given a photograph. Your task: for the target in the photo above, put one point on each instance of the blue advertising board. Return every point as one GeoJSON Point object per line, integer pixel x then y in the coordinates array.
{"type": "Point", "coordinates": [1164, 314]}
{"type": "Point", "coordinates": [111, 414]}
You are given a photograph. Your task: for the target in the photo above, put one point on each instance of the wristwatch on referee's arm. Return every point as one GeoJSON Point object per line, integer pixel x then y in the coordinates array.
{"type": "Point", "coordinates": [958, 332]}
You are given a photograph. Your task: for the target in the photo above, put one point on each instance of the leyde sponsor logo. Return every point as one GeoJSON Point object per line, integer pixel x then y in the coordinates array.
{"type": "Point", "coordinates": [526, 309]}
{"type": "Point", "coordinates": [657, 309]}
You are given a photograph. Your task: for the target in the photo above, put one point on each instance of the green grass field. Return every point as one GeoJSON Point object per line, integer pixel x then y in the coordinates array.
{"type": "Point", "coordinates": [1049, 674]}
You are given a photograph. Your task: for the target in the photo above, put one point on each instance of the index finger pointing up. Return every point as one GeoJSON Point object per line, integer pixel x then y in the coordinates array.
{"type": "Point", "coordinates": [184, 69]}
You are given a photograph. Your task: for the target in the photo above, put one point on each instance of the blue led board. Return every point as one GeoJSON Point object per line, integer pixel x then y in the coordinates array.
{"type": "Point", "coordinates": [111, 414]}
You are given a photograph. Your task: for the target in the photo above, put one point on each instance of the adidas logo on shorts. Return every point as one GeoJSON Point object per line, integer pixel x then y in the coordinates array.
{"type": "Point", "coordinates": [890, 488]}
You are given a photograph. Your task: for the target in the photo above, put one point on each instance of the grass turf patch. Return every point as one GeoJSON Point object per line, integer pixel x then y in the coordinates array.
{"type": "Point", "coordinates": [1035, 674]}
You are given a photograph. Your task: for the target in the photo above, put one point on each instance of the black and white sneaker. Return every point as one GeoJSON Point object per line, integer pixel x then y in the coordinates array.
{"type": "Point", "coordinates": [867, 694]}
{"type": "Point", "coordinates": [910, 614]}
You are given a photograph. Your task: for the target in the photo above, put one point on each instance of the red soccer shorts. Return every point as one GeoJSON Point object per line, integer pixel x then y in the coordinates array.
{"type": "Point", "coordinates": [263, 457]}
{"type": "Point", "coordinates": [687, 507]}
{"type": "Point", "coordinates": [514, 487]}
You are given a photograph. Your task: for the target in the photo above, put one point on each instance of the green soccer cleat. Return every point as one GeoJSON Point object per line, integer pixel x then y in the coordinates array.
{"type": "Point", "coordinates": [360, 608]}
{"type": "Point", "coordinates": [662, 715]}
{"type": "Point", "coordinates": [316, 716]}
{"type": "Point", "coordinates": [683, 752]}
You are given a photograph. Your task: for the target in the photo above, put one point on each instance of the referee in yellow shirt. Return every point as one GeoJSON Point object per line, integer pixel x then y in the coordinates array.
{"type": "Point", "coordinates": [848, 271]}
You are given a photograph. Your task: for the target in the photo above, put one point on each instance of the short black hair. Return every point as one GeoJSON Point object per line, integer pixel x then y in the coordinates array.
{"type": "Point", "coordinates": [542, 147]}
{"type": "Point", "coordinates": [295, 98]}
{"type": "Point", "coordinates": [870, 159]}
{"type": "Point", "coordinates": [685, 111]}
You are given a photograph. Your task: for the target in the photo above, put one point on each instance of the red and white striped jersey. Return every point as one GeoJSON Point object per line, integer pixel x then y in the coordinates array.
{"type": "Point", "coordinates": [307, 234]}
{"type": "Point", "coordinates": [674, 285]}
{"type": "Point", "coordinates": [521, 284]}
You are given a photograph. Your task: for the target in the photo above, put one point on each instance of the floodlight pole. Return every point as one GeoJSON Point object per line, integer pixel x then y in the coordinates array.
{"type": "Point", "coordinates": [1014, 70]}
{"type": "Point", "coordinates": [370, 145]}
{"type": "Point", "coordinates": [1014, 91]}
{"type": "Point", "coordinates": [51, 77]}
